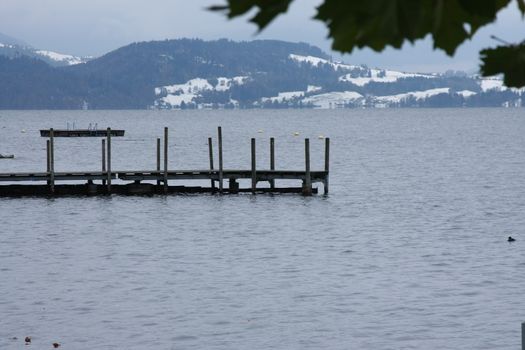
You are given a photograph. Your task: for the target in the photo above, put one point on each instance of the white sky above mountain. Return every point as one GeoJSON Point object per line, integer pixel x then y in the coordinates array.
{"type": "Point", "coordinates": [95, 27]}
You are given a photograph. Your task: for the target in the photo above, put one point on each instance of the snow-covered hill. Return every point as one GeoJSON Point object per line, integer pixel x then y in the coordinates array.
{"type": "Point", "coordinates": [62, 58]}
{"type": "Point", "coordinates": [192, 73]}
{"type": "Point", "coordinates": [12, 47]}
{"type": "Point", "coordinates": [354, 88]}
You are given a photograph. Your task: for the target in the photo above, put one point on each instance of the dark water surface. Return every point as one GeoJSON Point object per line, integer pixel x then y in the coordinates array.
{"type": "Point", "coordinates": [408, 251]}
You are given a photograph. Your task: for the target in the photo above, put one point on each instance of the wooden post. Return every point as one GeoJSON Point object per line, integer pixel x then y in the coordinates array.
{"type": "Point", "coordinates": [210, 152]}
{"type": "Point", "coordinates": [254, 165]}
{"type": "Point", "coordinates": [523, 336]}
{"type": "Point", "coordinates": [219, 131]}
{"type": "Point", "coordinates": [108, 160]}
{"type": "Point", "coordinates": [307, 185]}
{"type": "Point", "coordinates": [48, 155]}
{"type": "Point", "coordinates": [158, 161]}
{"type": "Point", "coordinates": [272, 160]}
{"type": "Point", "coordinates": [52, 159]}
{"type": "Point", "coordinates": [166, 160]}
{"type": "Point", "coordinates": [103, 160]}
{"type": "Point", "coordinates": [326, 163]}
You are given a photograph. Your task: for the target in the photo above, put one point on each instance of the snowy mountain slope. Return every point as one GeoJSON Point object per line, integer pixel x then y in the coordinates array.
{"type": "Point", "coordinates": [177, 95]}
{"type": "Point", "coordinates": [350, 86]}
{"type": "Point", "coordinates": [62, 58]}
{"type": "Point", "coordinates": [192, 73]}
{"type": "Point", "coordinates": [12, 47]}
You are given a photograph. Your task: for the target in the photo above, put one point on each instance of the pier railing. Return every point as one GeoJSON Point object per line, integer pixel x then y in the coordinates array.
{"type": "Point", "coordinates": [101, 181]}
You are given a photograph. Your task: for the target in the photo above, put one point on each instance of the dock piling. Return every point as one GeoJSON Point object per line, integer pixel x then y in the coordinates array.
{"type": "Point", "coordinates": [48, 161]}
{"type": "Point", "coordinates": [210, 152]}
{"type": "Point", "coordinates": [326, 163]}
{"type": "Point", "coordinates": [221, 175]}
{"type": "Point", "coordinates": [272, 160]}
{"type": "Point", "coordinates": [165, 159]}
{"type": "Point", "coordinates": [307, 184]}
{"type": "Point", "coordinates": [108, 159]}
{"type": "Point", "coordinates": [523, 336]}
{"type": "Point", "coordinates": [52, 160]}
{"type": "Point", "coordinates": [103, 160]}
{"type": "Point", "coordinates": [254, 165]}
{"type": "Point", "coordinates": [158, 159]}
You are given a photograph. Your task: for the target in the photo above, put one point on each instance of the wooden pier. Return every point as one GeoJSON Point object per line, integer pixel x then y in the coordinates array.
{"type": "Point", "coordinates": [135, 182]}
{"type": "Point", "coordinates": [80, 133]}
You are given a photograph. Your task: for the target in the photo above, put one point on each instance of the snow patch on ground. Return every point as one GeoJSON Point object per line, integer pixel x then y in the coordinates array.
{"type": "Point", "coordinates": [176, 94]}
{"type": "Point", "coordinates": [284, 96]}
{"type": "Point", "coordinates": [466, 93]}
{"type": "Point", "coordinates": [226, 83]}
{"type": "Point", "coordinates": [55, 56]}
{"type": "Point", "coordinates": [492, 84]}
{"type": "Point", "coordinates": [315, 61]}
{"type": "Point", "coordinates": [381, 76]}
{"type": "Point", "coordinates": [415, 94]}
{"type": "Point", "coordinates": [191, 86]}
{"type": "Point", "coordinates": [313, 88]}
{"type": "Point", "coordinates": [333, 99]}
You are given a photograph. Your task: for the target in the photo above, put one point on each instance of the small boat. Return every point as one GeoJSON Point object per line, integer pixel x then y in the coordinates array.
{"type": "Point", "coordinates": [6, 156]}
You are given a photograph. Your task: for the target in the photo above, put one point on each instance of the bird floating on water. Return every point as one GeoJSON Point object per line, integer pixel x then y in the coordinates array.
{"type": "Point", "coordinates": [28, 340]}
{"type": "Point", "coordinates": [56, 345]}
{"type": "Point", "coordinates": [260, 131]}
{"type": "Point", "coordinates": [296, 133]}
{"type": "Point", "coordinates": [510, 239]}
{"type": "Point", "coordinates": [320, 137]}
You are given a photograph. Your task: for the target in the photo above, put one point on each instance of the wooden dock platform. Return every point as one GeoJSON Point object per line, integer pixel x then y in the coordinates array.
{"type": "Point", "coordinates": [80, 133]}
{"type": "Point", "coordinates": [156, 181]}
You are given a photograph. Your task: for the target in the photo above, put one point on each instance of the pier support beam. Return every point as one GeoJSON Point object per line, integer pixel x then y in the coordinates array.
{"type": "Point", "coordinates": [52, 160]}
{"type": "Point", "coordinates": [272, 160]}
{"type": "Point", "coordinates": [210, 153]}
{"type": "Point", "coordinates": [48, 161]}
{"type": "Point", "coordinates": [254, 165]}
{"type": "Point", "coordinates": [108, 159]}
{"type": "Point", "coordinates": [219, 132]}
{"type": "Point", "coordinates": [523, 336]}
{"type": "Point", "coordinates": [233, 185]}
{"type": "Point", "coordinates": [158, 159]}
{"type": "Point", "coordinates": [103, 160]}
{"type": "Point", "coordinates": [166, 160]}
{"type": "Point", "coordinates": [91, 188]}
{"type": "Point", "coordinates": [326, 163]}
{"type": "Point", "coordinates": [307, 184]}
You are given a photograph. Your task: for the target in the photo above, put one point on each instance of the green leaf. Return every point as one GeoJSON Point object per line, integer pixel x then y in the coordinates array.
{"type": "Point", "coordinates": [506, 60]}
{"type": "Point", "coordinates": [380, 23]}
{"type": "Point", "coordinates": [267, 10]}
{"type": "Point", "coordinates": [521, 6]}
{"type": "Point", "coordinates": [377, 24]}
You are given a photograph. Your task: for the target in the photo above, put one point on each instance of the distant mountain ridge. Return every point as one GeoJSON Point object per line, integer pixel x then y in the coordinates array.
{"type": "Point", "coordinates": [12, 47]}
{"type": "Point", "coordinates": [192, 73]}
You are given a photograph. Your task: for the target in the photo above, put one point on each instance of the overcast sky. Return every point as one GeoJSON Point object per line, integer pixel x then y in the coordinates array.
{"type": "Point", "coordinates": [94, 27]}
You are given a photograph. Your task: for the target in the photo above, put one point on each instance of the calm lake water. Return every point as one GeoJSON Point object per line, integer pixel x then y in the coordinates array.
{"type": "Point", "coordinates": [408, 251]}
